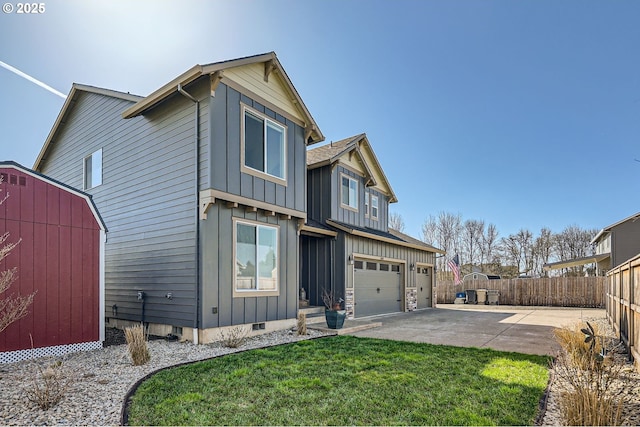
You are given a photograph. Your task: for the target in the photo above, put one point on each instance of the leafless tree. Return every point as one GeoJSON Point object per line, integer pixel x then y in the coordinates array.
{"type": "Point", "coordinates": [542, 251]}
{"type": "Point", "coordinates": [472, 234]}
{"type": "Point", "coordinates": [517, 250]}
{"type": "Point", "coordinates": [443, 232]}
{"type": "Point", "coordinates": [574, 242]}
{"type": "Point", "coordinates": [489, 244]}
{"type": "Point", "coordinates": [12, 307]}
{"type": "Point", "coordinates": [396, 222]}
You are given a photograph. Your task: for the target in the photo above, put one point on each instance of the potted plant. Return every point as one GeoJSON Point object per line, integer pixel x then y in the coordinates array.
{"type": "Point", "coordinates": [333, 312]}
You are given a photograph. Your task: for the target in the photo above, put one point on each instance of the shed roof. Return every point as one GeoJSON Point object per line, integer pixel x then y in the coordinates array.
{"type": "Point", "coordinates": [8, 164]}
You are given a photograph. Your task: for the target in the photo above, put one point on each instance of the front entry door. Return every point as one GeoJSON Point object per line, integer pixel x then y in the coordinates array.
{"type": "Point", "coordinates": [423, 282]}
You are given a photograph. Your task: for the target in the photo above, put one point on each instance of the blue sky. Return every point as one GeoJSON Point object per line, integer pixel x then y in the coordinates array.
{"type": "Point", "coordinates": [524, 113]}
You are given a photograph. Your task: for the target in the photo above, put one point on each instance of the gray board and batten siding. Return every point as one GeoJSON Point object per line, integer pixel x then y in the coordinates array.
{"type": "Point", "coordinates": [325, 192]}
{"type": "Point", "coordinates": [220, 308]}
{"type": "Point", "coordinates": [148, 200]}
{"type": "Point", "coordinates": [317, 266]}
{"type": "Point", "coordinates": [147, 197]}
{"type": "Point", "coordinates": [226, 174]}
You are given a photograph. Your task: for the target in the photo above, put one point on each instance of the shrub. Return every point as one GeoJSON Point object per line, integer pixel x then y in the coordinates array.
{"type": "Point", "coordinates": [137, 345]}
{"type": "Point", "coordinates": [233, 337]}
{"type": "Point", "coordinates": [48, 386]}
{"type": "Point", "coordinates": [302, 324]}
{"type": "Point", "coordinates": [587, 372]}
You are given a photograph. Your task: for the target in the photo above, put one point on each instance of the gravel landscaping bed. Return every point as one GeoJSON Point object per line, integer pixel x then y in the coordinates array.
{"type": "Point", "coordinates": [100, 379]}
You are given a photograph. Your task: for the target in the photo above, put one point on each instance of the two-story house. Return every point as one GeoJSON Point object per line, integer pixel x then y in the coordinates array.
{"type": "Point", "coordinates": [203, 186]}
{"type": "Point", "coordinates": [347, 245]}
{"type": "Point", "coordinates": [613, 245]}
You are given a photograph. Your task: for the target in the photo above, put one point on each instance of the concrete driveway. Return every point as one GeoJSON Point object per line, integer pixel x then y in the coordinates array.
{"type": "Point", "coordinates": [506, 328]}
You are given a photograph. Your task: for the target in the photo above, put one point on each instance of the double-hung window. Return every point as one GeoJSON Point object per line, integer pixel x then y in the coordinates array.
{"type": "Point", "coordinates": [366, 204]}
{"type": "Point", "coordinates": [93, 170]}
{"type": "Point", "coordinates": [256, 257]}
{"type": "Point", "coordinates": [264, 144]}
{"type": "Point", "coordinates": [349, 192]}
{"type": "Point", "coordinates": [374, 207]}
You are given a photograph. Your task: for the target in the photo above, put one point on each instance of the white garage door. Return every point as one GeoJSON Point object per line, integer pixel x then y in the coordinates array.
{"type": "Point", "coordinates": [377, 288]}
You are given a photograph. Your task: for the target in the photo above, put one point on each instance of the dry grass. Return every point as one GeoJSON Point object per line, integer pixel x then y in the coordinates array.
{"type": "Point", "coordinates": [302, 324]}
{"type": "Point", "coordinates": [587, 373]}
{"type": "Point", "coordinates": [137, 345]}
{"type": "Point", "coordinates": [48, 386]}
{"type": "Point", "coordinates": [233, 337]}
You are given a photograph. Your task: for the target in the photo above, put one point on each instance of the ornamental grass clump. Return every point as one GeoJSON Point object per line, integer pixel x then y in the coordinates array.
{"type": "Point", "coordinates": [588, 372]}
{"type": "Point", "coordinates": [137, 345]}
{"type": "Point", "coordinates": [302, 324]}
{"type": "Point", "coordinates": [234, 337]}
{"type": "Point", "coordinates": [48, 386]}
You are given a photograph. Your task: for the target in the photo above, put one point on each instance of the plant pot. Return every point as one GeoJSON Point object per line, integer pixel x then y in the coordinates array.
{"type": "Point", "coordinates": [335, 318]}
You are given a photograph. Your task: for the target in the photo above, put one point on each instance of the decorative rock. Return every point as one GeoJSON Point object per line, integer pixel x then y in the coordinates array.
{"type": "Point", "coordinates": [101, 379]}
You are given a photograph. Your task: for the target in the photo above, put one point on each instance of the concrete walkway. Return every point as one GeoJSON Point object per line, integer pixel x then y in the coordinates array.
{"type": "Point", "coordinates": [506, 328]}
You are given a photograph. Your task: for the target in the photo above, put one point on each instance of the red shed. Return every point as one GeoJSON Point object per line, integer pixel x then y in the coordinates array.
{"type": "Point", "coordinates": [60, 256]}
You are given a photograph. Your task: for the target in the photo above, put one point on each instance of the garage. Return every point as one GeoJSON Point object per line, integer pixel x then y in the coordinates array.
{"type": "Point", "coordinates": [378, 288]}
{"type": "Point", "coordinates": [423, 283]}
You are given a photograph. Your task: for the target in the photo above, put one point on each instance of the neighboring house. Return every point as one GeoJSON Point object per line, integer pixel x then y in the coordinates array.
{"type": "Point", "coordinates": [613, 245]}
{"type": "Point", "coordinates": [203, 187]}
{"type": "Point", "coordinates": [346, 243]}
{"type": "Point", "coordinates": [479, 276]}
{"type": "Point", "coordinates": [60, 257]}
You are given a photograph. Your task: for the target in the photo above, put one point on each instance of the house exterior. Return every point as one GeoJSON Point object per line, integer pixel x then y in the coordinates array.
{"type": "Point", "coordinates": [203, 186]}
{"type": "Point", "coordinates": [346, 243]}
{"type": "Point", "coordinates": [613, 245]}
{"type": "Point", "coordinates": [60, 257]}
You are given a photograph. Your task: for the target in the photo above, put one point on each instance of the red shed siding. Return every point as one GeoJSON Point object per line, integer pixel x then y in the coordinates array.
{"type": "Point", "coordinates": [59, 257]}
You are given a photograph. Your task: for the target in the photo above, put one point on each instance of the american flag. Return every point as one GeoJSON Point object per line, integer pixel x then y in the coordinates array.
{"type": "Point", "coordinates": [454, 265]}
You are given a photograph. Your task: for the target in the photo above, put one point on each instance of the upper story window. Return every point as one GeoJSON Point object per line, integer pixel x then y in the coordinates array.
{"type": "Point", "coordinates": [374, 207]}
{"type": "Point", "coordinates": [366, 204]}
{"type": "Point", "coordinates": [256, 258]}
{"type": "Point", "coordinates": [93, 170]}
{"type": "Point", "coordinates": [349, 197]}
{"type": "Point", "coordinates": [264, 147]}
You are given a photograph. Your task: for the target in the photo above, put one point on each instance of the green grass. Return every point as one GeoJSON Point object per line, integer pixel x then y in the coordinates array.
{"type": "Point", "coordinates": [346, 380]}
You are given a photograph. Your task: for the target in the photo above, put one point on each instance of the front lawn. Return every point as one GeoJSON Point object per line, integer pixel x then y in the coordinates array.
{"type": "Point", "coordinates": [346, 380]}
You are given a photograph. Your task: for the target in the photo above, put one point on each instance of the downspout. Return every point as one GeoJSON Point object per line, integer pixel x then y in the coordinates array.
{"type": "Point", "coordinates": [197, 210]}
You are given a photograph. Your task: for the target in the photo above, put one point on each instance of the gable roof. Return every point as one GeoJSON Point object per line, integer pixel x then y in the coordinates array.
{"type": "Point", "coordinates": [360, 147]}
{"type": "Point", "coordinates": [271, 63]}
{"type": "Point", "coordinates": [607, 229]}
{"type": "Point", "coordinates": [59, 184]}
{"type": "Point", "coordinates": [69, 103]}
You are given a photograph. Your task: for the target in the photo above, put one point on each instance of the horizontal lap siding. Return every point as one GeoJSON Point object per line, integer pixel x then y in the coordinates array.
{"type": "Point", "coordinates": [218, 271]}
{"type": "Point", "coordinates": [58, 258]}
{"type": "Point", "coordinates": [147, 198]}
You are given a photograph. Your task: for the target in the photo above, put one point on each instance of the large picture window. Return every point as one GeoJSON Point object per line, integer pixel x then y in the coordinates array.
{"type": "Point", "coordinates": [256, 257]}
{"type": "Point", "coordinates": [93, 170]}
{"type": "Point", "coordinates": [349, 192]}
{"type": "Point", "coordinates": [264, 144]}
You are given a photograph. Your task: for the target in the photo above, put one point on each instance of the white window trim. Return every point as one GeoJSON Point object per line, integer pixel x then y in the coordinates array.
{"type": "Point", "coordinates": [90, 157]}
{"type": "Point", "coordinates": [255, 172]}
{"type": "Point", "coordinates": [351, 179]}
{"type": "Point", "coordinates": [377, 207]}
{"type": "Point", "coordinates": [245, 293]}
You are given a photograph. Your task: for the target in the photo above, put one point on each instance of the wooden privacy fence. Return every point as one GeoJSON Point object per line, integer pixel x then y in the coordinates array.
{"type": "Point", "coordinates": [622, 297]}
{"type": "Point", "coordinates": [545, 291]}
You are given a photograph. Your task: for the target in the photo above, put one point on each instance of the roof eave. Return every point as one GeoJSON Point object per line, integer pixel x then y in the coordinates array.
{"type": "Point", "coordinates": [160, 94]}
